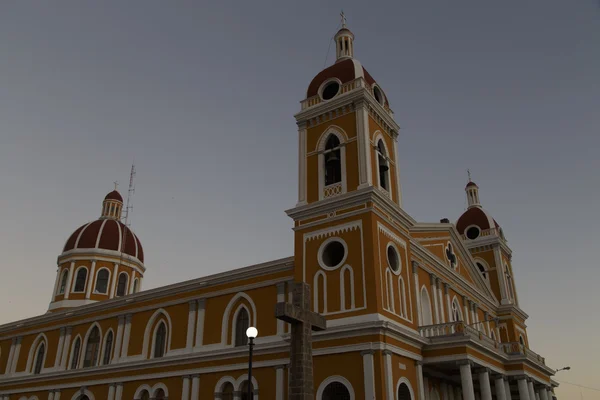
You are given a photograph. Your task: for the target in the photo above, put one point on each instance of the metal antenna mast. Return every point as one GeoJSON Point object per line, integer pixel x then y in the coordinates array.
{"type": "Point", "coordinates": [128, 210]}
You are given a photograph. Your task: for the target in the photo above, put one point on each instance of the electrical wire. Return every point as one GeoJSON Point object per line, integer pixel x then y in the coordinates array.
{"type": "Point", "coordinates": [581, 386]}
{"type": "Point", "coordinates": [329, 47]}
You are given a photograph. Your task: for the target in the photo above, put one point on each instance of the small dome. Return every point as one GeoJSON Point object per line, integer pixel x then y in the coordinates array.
{"type": "Point", "coordinates": [475, 216]}
{"type": "Point", "coordinates": [346, 71]}
{"type": "Point", "coordinates": [471, 184]}
{"type": "Point", "coordinates": [114, 195]}
{"type": "Point", "coordinates": [106, 234]}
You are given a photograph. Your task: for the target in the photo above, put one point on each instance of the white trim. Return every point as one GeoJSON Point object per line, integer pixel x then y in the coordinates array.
{"type": "Point", "coordinates": [331, 379]}
{"type": "Point", "coordinates": [72, 351]}
{"type": "Point", "coordinates": [316, 291]}
{"type": "Point", "coordinates": [151, 325]}
{"type": "Point", "coordinates": [157, 386]}
{"type": "Point", "coordinates": [389, 291]}
{"type": "Point", "coordinates": [83, 392]}
{"type": "Point", "coordinates": [103, 349]}
{"type": "Point", "coordinates": [167, 346]}
{"type": "Point", "coordinates": [486, 266]}
{"type": "Point", "coordinates": [343, 287]}
{"type": "Point", "coordinates": [126, 284]}
{"type": "Point", "coordinates": [66, 288]}
{"type": "Point", "coordinates": [379, 138]}
{"type": "Point", "coordinates": [108, 256]}
{"type": "Point", "coordinates": [426, 312]}
{"type": "Point", "coordinates": [395, 248]}
{"type": "Point", "coordinates": [85, 344]}
{"type": "Point", "coordinates": [74, 283]}
{"type": "Point", "coordinates": [322, 249]}
{"type": "Point", "coordinates": [327, 82]}
{"type": "Point", "coordinates": [33, 349]}
{"type": "Point", "coordinates": [95, 291]}
{"type": "Point", "coordinates": [407, 383]}
{"type": "Point", "coordinates": [469, 227]}
{"type": "Point", "coordinates": [225, 322]}
{"type": "Point", "coordinates": [321, 144]}
{"type": "Point", "coordinates": [140, 389]}
{"type": "Point", "coordinates": [402, 297]}
{"type": "Point", "coordinates": [459, 308]}
{"type": "Point", "coordinates": [80, 234]}
{"type": "Point", "coordinates": [239, 309]}
{"type": "Point", "coordinates": [68, 303]}
{"type": "Point", "coordinates": [100, 233]}
{"type": "Point", "coordinates": [244, 377]}
{"type": "Point", "coordinates": [221, 382]}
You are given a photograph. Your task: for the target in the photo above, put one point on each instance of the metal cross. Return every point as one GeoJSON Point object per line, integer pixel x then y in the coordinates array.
{"type": "Point", "coordinates": [116, 184]}
{"type": "Point", "coordinates": [343, 19]}
{"type": "Point", "coordinates": [469, 174]}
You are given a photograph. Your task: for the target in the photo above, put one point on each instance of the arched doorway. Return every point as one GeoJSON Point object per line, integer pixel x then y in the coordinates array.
{"type": "Point", "coordinates": [404, 392]}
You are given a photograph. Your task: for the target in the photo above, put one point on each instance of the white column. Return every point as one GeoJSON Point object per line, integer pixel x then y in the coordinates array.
{"type": "Point", "coordinates": [444, 389]}
{"type": "Point", "coordinates": [441, 303]}
{"type": "Point", "coordinates": [279, 384]}
{"type": "Point", "coordinates": [397, 163]}
{"type": "Point", "coordinates": [544, 394]}
{"type": "Point", "coordinates": [56, 395]}
{"type": "Point", "coordinates": [195, 387]}
{"type": "Point", "coordinates": [185, 389]}
{"type": "Point", "coordinates": [131, 282]}
{"type": "Point", "coordinates": [448, 304]}
{"type": "Point", "coordinates": [58, 273]}
{"type": "Point", "coordinates": [451, 392]}
{"type": "Point", "coordinates": [389, 384]}
{"type": "Point", "coordinates": [507, 392]}
{"type": "Point", "coordinates": [531, 391]}
{"type": "Point", "coordinates": [523, 389]}
{"type": "Point", "coordinates": [119, 339]}
{"type": "Point", "coordinates": [474, 315]}
{"type": "Point", "coordinates": [487, 323]}
{"type": "Point", "coordinates": [436, 313]}
{"type": "Point", "coordinates": [200, 322]}
{"type": "Point", "coordinates": [15, 359]}
{"type": "Point", "coordinates": [11, 354]}
{"type": "Point", "coordinates": [113, 286]}
{"type": "Point", "coordinates": [90, 280]}
{"type": "Point", "coordinates": [415, 270]}
{"type": "Point", "coordinates": [466, 309]}
{"type": "Point", "coordinates": [111, 392]}
{"type": "Point", "coordinates": [301, 163]}
{"type": "Point", "coordinates": [500, 275]}
{"type": "Point", "coordinates": [189, 340]}
{"type": "Point", "coordinates": [69, 279]}
{"type": "Point", "coordinates": [280, 299]}
{"type": "Point", "coordinates": [500, 389]}
{"type": "Point", "coordinates": [420, 386]}
{"type": "Point", "coordinates": [368, 374]}
{"type": "Point", "coordinates": [50, 395]}
{"type": "Point", "coordinates": [365, 177]}
{"type": "Point", "coordinates": [466, 379]}
{"type": "Point", "coordinates": [119, 393]}
{"type": "Point", "coordinates": [59, 348]}
{"type": "Point", "coordinates": [126, 335]}
{"type": "Point", "coordinates": [484, 384]}
{"type": "Point", "coordinates": [65, 351]}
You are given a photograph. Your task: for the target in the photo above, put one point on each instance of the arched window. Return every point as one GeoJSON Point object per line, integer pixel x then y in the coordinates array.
{"type": "Point", "coordinates": [383, 166]}
{"type": "Point", "coordinates": [227, 391]}
{"type": "Point", "coordinates": [135, 285]}
{"type": "Point", "coordinates": [159, 394]}
{"type": "Point", "coordinates": [144, 395]}
{"type": "Point", "coordinates": [80, 280]}
{"type": "Point", "coordinates": [521, 340]}
{"type": "Point", "coordinates": [426, 307]}
{"type": "Point", "coordinates": [244, 390]}
{"type": "Point", "coordinates": [63, 281]}
{"type": "Point", "coordinates": [242, 323]}
{"type": "Point", "coordinates": [456, 312]}
{"type": "Point", "coordinates": [160, 341]}
{"type": "Point", "coordinates": [75, 354]}
{"type": "Point", "coordinates": [333, 161]}
{"type": "Point", "coordinates": [336, 391]}
{"type": "Point", "coordinates": [102, 281]}
{"type": "Point", "coordinates": [509, 284]}
{"type": "Point", "coordinates": [390, 291]}
{"type": "Point", "coordinates": [92, 348]}
{"type": "Point", "coordinates": [122, 285]}
{"type": "Point", "coordinates": [404, 392]}
{"type": "Point", "coordinates": [39, 358]}
{"type": "Point", "coordinates": [84, 397]}
{"type": "Point", "coordinates": [107, 348]}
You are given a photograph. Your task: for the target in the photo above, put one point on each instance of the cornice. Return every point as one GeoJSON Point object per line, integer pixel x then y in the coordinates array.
{"type": "Point", "coordinates": [284, 264]}
{"type": "Point", "coordinates": [511, 308]}
{"type": "Point", "coordinates": [101, 255]}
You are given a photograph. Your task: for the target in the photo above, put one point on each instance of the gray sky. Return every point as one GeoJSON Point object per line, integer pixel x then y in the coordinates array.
{"type": "Point", "coordinates": [202, 96]}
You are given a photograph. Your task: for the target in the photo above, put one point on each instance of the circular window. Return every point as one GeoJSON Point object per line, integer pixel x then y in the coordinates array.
{"type": "Point", "coordinates": [378, 94]}
{"type": "Point", "coordinates": [393, 259]}
{"type": "Point", "coordinates": [332, 253]}
{"type": "Point", "coordinates": [330, 90]}
{"type": "Point", "coordinates": [473, 232]}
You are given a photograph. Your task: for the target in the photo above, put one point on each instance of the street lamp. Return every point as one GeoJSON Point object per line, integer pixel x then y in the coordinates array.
{"type": "Point", "coordinates": [563, 369]}
{"type": "Point", "coordinates": [251, 332]}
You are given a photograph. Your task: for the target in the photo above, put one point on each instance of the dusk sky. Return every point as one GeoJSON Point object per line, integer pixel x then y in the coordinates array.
{"type": "Point", "coordinates": [202, 96]}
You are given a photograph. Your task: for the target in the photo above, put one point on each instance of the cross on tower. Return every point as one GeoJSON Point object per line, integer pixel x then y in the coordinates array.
{"type": "Point", "coordinates": [343, 19]}
{"type": "Point", "coordinates": [303, 322]}
{"type": "Point", "coordinates": [469, 174]}
{"type": "Point", "coordinates": [116, 184]}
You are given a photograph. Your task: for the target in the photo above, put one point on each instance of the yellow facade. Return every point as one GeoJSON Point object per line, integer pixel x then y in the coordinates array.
{"type": "Point", "coordinates": [411, 308]}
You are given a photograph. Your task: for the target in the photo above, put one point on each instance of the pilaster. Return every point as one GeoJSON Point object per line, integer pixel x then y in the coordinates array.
{"type": "Point", "coordinates": [200, 323]}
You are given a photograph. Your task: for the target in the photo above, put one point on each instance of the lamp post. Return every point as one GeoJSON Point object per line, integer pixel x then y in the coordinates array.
{"type": "Point", "coordinates": [563, 369]}
{"type": "Point", "coordinates": [251, 332]}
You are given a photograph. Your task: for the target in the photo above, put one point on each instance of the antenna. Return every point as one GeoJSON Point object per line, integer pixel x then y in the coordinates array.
{"type": "Point", "coordinates": [128, 210]}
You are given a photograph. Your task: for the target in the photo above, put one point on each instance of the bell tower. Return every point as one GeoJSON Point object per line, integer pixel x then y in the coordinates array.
{"type": "Point", "coordinates": [351, 234]}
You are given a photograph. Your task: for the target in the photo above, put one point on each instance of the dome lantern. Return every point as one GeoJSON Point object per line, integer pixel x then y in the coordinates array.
{"type": "Point", "coordinates": [112, 206]}
{"type": "Point", "coordinates": [344, 42]}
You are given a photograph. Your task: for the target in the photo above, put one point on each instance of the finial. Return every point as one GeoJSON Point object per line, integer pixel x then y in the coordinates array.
{"type": "Point", "coordinates": [343, 19]}
{"type": "Point", "coordinates": [469, 174]}
{"type": "Point", "coordinates": [116, 184]}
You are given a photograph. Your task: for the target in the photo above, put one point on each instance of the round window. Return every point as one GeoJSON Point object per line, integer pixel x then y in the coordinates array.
{"type": "Point", "coordinates": [393, 259]}
{"type": "Point", "coordinates": [473, 232]}
{"type": "Point", "coordinates": [333, 254]}
{"type": "Point", "coordinates": [330, 90]}
{"type": "Point", "coordinates": [378, 95]}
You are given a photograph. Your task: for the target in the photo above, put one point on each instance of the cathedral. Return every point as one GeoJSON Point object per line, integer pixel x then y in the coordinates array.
{"type": "Point", "coordinates": [413, 310]}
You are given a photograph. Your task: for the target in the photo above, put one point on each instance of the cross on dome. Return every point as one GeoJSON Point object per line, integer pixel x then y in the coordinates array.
{"type": "Point", "coordinates": [343, 16]}
{"type": "Point", "coordinates": [116, 184]}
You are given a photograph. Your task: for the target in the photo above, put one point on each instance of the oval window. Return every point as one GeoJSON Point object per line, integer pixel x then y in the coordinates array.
{"type": "Point", "coordinates": [473, 233]}
{"type": "Point", "coordinates": [378, 95]}
{"type": "Point", "coordinates": [330, 90]}
{"type": "Point", "coordinates": [333, 254]}
{"type": "Point", "coordinates": [393, 259]}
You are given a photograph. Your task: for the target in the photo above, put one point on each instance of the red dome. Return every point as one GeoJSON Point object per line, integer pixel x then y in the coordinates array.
{"type": "Point", "coordinates": [475, 216]}
{"type": "Point", "coordinates": [106, 234]}
{"type": "Point", "coordinates": [345, 70]}
{"type": "Point", "coordinates": [114, 195]}
{"type": "Point", "coordinates": [471, 184]}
